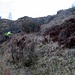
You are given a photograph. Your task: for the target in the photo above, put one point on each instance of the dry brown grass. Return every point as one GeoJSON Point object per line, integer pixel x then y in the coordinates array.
{"type": "Point", "coordinates": [3, 69]}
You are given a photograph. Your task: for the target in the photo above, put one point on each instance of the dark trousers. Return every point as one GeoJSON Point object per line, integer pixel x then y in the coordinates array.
{"type": "Point", "coordinates": [6, 37]}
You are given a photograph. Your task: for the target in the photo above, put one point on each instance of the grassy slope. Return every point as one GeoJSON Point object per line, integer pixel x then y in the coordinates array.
{"type": "Point", "coordinates": [52, 60]}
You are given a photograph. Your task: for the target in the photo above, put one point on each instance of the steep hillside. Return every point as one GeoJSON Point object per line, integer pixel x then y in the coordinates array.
{"type": "Point", "coordinates": [29, 54]}
{"type": "Point", "coordinates": [46, 22]}
{"type": "Point", "coordinates": [59, 18]}
{"type": "Point", "coordinates": [63, 33]}
{"type": "Point", "coordinates": [24, 24]}
{"type": "Point", "coordinates": [17, 25]}
{"type": "Point", "coordinates": [31, 50]}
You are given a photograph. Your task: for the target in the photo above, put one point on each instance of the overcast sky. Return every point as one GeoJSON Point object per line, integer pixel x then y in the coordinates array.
{"type": "Point", "coordinates": [32, 8]}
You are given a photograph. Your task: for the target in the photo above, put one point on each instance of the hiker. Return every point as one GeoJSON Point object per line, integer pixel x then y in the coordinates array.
{"type": "Point", "coordinates": [7, 35]}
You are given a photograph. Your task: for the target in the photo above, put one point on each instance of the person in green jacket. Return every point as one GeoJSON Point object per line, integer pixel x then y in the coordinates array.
{"type": "Point", "coordinates": [7, 35]}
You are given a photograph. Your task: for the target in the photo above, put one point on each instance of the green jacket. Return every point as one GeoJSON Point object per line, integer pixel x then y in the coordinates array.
{"type": "Point", "coordinates": [7, 33]}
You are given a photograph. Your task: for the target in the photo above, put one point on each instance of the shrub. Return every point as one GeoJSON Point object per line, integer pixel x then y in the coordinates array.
{"type": "Point", "coordinates": [30, 27]}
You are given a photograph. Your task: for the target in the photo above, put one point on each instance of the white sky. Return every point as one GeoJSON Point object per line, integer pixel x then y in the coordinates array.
{"type": "Point", "coordinates": [32, 8]}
